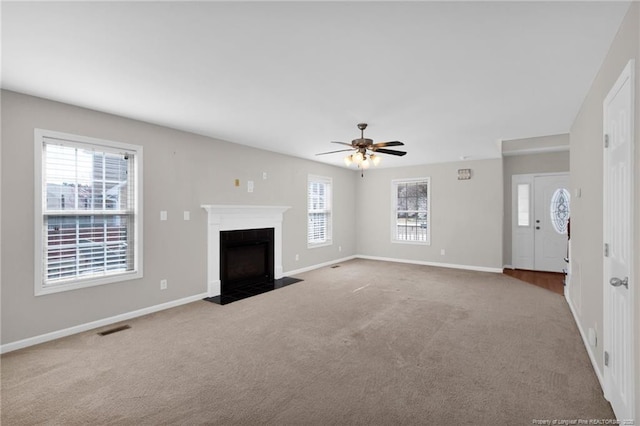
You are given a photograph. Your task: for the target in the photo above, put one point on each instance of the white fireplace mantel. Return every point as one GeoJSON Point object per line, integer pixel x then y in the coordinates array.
{"type": "Point", "coordinates": [231, 218]}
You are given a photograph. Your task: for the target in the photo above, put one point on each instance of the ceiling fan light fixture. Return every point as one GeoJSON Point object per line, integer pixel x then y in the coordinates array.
{"type": "Point", "coordinates": [365, 152]}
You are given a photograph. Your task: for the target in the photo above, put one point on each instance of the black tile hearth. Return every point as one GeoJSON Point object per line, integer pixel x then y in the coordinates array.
{"type": "Point", "coordinates": [251, 290]}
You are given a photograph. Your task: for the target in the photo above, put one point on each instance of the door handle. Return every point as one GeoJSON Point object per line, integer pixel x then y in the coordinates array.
{"type": "Point", "coordinates": [537, 227]}
{"type": "Point", "coordinates": [617, 282]}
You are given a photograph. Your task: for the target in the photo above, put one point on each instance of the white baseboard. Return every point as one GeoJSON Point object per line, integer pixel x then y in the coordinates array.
{"type": "Point", "coordinates": [585, 340]}
{"type": "Point", "coordinates": [438, 264]}
{"type": "Point", "coordinates": [13, 346]}
{"type": "Point", "coordinates": [317, 266]}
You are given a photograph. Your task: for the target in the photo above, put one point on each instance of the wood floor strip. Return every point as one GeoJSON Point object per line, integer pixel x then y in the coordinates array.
{"type": "Point", "coordinates": [552, 281]}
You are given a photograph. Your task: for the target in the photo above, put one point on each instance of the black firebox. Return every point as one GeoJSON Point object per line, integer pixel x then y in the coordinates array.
{"type": "Point", "coordinates": [246, 258]}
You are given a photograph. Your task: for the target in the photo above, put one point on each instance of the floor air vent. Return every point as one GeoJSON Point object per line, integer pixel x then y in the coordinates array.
{"type": "Point", "coordinates": [114, 330]}
{"type": "Point", "coordinates": [335, 266]}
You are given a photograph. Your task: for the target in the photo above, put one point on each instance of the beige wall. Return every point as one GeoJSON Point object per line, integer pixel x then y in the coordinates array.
{"type": "Point", "coordinates": [466, 216]}
{"type": "Point", "coordinates": [527, 164]}
{"type": "Point", "coordinates": [585, 291]}
{"type": "Point", "coordinates": [181, 172]}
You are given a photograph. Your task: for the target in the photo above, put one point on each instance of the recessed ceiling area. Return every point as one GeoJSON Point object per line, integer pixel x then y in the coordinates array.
{"type": "Point", "coordinates": [449, 79]}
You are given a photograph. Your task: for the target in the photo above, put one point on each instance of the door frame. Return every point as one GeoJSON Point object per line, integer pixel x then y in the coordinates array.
{"type": "Point", "coordinates": [628, 73]}
{"type": "Point", "coordinates": [527, 233]}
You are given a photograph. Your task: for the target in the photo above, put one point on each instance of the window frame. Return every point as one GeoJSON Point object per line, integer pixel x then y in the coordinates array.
{"type": "Point", "coordinates": [329, 202]}
{"type": "Point", "coordinates": [394, 210]}
{"type": "Point", "coordinates": [40, 286]}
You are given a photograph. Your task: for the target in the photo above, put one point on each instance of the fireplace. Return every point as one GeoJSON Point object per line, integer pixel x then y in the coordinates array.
{"type": "Point", "coordinates": [246, 258]}
{"type": "Point", "coordinates": [222, 218]}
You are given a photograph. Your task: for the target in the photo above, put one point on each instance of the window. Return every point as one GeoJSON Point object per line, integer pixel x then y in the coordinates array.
{"type": "Point", "coordinates": [88, 212]}
{"type": "Point", "coordinates": [319, 211]}
{"type": "Point", "coordinates": [523, 204]}
{"type": "Point", "coordinates": [411, 218]}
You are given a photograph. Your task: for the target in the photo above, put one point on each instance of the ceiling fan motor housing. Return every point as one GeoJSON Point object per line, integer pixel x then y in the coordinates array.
{"type": "Point", "coordinates": [362, 142]}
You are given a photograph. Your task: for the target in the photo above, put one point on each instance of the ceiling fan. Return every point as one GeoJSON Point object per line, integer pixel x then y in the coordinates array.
{"type": "Point", "coordinates": [366, 151]}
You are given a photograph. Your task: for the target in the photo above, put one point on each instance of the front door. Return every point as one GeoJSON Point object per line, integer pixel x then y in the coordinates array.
{"type": "Point", "coordinates": [618, 251]}
{"type": "Point", "coordinates": [540, 221]}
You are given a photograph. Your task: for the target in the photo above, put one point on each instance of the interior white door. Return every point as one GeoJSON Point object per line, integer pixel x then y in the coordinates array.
{"type": "Point", "coordinates": [551, 208]}
{"type": "Point", "coordinates": [618, 252]}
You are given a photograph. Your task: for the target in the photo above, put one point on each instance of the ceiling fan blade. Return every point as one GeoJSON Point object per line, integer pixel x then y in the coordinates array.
{"type": "Point", "coordinates": [343, 143]}
{"type": "Point", "coordinates": [390, 151]}
{"type": "Point", "coordinates": [331, 152]}
{"type": "Point", "coordinates": [392, 143]}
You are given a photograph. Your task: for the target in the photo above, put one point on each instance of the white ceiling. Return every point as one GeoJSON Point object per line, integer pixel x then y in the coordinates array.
{"type": "Point", "coordinates": [449, 79]}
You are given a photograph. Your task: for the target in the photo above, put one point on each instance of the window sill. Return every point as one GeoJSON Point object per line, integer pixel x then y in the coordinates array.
{"type": "Point", "coordinates": [417, 243]}
{"type": "Point", "coordinates": [317, 245]}
{"type": "Point", "coordinates": [41, 290]}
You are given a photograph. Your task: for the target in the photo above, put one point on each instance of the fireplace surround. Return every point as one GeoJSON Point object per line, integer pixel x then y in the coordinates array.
{"type": "Point", "coordinates": [240, 217]}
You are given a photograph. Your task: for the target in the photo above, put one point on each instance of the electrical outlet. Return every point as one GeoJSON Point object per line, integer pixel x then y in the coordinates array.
{"type": "Point", "coordinates": [163, 284]}
{"type": "Point", "coordinates": [442, 252]}
{"type": "Point", "coordinates": [339, 248]}
{"type": "Point", "coordinates": [264, 175]}
{"type": "Point", "coordinates": [250, 186]}
{"type": "Point", "coordinates": [163, 215]}
{"type": "Point", "coordinates": [187, 215]}
{"type": "Point", "coordinates": [297, 257]}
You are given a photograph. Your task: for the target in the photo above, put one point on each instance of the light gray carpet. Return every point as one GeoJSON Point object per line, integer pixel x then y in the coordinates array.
{"type": "Point", "coordinates": [368, 343]}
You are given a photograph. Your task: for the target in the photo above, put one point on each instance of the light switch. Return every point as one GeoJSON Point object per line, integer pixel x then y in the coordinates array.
{"type": "Point", "coordinates": [187, 215]}
{"type": "Point", "coordinates": [163, 215]}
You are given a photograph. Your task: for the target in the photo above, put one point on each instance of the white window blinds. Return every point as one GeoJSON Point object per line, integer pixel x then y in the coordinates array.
{"type": "Point", "coordinates": [319, 210]}
{"type": "Point", "coordinates": [89, 211]}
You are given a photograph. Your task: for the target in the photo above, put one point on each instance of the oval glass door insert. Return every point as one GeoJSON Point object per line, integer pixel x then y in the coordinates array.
{"type": "Point", "coordinates": [559, 210]}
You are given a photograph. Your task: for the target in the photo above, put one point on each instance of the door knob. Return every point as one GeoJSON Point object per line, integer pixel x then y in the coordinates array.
{"type": "Point", "coordinates": [617, 282]}
{"type": "Point", "coordinates": [537, 227]}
